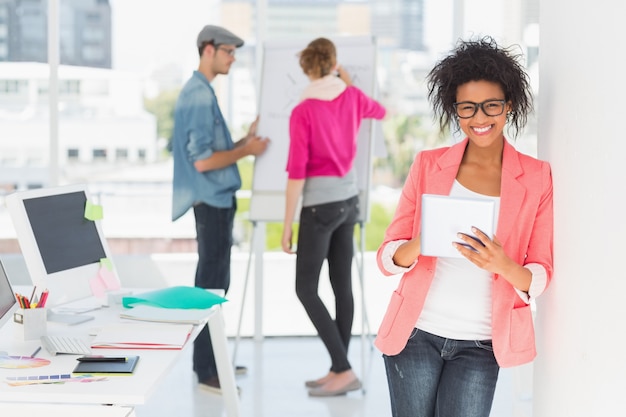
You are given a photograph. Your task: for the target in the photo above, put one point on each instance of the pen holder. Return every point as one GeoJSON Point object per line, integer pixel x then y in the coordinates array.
{"type": "Point", "coordinates": [30, 323]}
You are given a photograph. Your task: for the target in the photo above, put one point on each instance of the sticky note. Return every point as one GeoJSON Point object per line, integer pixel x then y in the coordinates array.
{"type": "Point", "coordinates": [93, 212]}
{"type": "Point", "coordinates": [109, 279]}
{"type": "Point", "coordinates": [97, 286]}
{"type": "Point", "coordinates": [106, 262]}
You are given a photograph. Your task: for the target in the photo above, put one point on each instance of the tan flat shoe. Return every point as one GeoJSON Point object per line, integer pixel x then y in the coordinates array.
{"type": "Point", "coordinates": [313, 383]}
{"type": "Point", "coordinates": [354, 385]}
{"type": "Point", "coordinates": [316, 383]}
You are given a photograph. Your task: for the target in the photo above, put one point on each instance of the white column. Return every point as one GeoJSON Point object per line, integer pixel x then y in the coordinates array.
{"type": "Point", "coordinates": [580, 370]}
{"type": "Point", "coordinates": [259, 243]}
{"type": "Point", "coordinates": [53, 89]}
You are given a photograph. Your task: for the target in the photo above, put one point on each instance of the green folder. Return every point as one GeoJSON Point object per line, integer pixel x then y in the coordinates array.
{"type": "Point", "coordinates": [175, 297]}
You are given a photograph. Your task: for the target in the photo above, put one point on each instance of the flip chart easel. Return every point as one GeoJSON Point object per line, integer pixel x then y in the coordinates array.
{"type": "Point", "coordinates": [282, 82]}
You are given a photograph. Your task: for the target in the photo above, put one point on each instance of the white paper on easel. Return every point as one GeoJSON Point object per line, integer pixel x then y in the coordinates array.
{"type": "Point", "coordinates": [142, 336]}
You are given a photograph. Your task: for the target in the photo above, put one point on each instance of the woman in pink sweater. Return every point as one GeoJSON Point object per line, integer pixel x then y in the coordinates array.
{"type": "Point", "coordinates": [453, 322]}
{"type": "Point", "coordinates": [323, 130]}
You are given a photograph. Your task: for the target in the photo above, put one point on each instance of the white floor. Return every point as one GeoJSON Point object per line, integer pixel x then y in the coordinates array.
{"type": "Point", "coordinates": [274, 385]}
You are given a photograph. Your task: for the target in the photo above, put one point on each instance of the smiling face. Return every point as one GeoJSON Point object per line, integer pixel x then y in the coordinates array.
{"type": "Point", "coordinates": [482, 130]}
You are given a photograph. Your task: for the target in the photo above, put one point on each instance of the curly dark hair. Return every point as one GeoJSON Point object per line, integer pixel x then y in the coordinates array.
{"type": "Point", "coordinates": [319, 57]}
{"type": "Point", "coordinates": [477, 60]}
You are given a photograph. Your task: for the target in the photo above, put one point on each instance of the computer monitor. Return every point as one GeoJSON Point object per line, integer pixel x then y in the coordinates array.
{"type": "Point", "coordinates": [63, 247]}
{"type": "Point", "coordinates": [8, 302]}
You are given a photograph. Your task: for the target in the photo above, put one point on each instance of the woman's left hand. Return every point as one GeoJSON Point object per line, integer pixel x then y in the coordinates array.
{"type": "Point", "coordinates": [483, 252]}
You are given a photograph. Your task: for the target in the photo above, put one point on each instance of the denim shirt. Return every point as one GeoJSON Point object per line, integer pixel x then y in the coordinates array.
{"type": "Point", "coordinates": [199, 131]}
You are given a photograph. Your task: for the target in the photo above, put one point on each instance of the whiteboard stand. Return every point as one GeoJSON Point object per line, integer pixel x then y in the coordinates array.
{"type": "Point", "coordinates": [243, 296]}
{"type": "Point", "coordinates": [257, 247]}
{"type": "Point", "coordinates": [366, 334]}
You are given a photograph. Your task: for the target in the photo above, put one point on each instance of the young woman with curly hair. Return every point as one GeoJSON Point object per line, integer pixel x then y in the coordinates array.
{"type": "Point", "coordinates": [453, 322]}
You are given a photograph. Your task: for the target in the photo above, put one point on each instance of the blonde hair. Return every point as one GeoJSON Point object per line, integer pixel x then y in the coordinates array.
{"type": "Point", "coordinates": [319, 58]}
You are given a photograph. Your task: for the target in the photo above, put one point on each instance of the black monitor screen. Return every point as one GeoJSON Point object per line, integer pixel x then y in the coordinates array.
{"type": "Point", "coordinates": [65, 238]}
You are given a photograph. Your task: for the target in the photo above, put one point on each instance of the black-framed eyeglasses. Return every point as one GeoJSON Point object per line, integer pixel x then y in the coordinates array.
{"type": "Point", "coordinates": [468, 109]}
{"type": "Point", "coordinates": [229, 51]}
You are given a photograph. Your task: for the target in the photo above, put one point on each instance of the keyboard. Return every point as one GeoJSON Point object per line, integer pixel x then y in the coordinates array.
{"type": "Point", "coordinates": [65, 344]}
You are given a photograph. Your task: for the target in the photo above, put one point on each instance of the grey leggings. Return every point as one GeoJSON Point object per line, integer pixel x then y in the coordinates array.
{"type": "Point", "coordinates": [326, 232]}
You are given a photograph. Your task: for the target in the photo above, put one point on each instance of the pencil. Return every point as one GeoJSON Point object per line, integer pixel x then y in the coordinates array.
{"type": "Point", "coordinates": [42, 300]}
{"type": "Point", "coordinates": [32, 295]}
{"type": "Point", "coordinates": [35, 352]}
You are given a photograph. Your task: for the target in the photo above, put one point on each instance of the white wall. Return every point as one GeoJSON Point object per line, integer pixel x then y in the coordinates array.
{"type": "Point", "coordinates": [580, 320]}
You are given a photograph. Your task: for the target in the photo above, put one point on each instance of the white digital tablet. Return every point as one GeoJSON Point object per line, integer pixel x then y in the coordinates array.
{"type": "Point", "coordinates": [444, 216]}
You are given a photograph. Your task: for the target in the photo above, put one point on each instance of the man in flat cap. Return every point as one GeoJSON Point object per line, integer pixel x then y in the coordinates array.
{"type": "Point", "coordinates": [206, 176]}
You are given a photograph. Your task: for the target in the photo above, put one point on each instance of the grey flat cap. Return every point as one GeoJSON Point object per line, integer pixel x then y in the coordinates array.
{"type": "Point", "coordinates": [219, 36]}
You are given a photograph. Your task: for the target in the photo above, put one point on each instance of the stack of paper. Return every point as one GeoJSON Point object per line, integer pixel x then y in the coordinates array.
{"type": "Point", "coordinates": [167, 315]}
{"type": "Point", "coordinates": [142, 336]}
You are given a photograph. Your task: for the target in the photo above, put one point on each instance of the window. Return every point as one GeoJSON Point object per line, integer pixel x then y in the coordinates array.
{"type": "Point", "coordinates": [73, 154]}
{"type": "Point", "coordinates": [93, 53]}
{"type": "Point", "coordinates": [35, 161]}
{"type": "Point", "coordinates": [69, 87]}
{"type": "Point", "coordinates": [99, 154]}
{"type": "Point", "coordinates": [7, 161]}
{"type": "Point", "coordinates": [93, 35]}
{"type": "Point", "coordinates": [13, 86]}
{"type": "Point", "coordinates": [121, 154]}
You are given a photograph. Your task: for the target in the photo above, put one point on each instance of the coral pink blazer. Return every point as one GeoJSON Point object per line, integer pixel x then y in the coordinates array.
{"type": "Point", "coordinates": [524, 228]}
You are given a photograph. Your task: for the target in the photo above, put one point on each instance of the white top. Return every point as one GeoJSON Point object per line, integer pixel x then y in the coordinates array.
{"type": "Point", "coordinates": [458, 304]}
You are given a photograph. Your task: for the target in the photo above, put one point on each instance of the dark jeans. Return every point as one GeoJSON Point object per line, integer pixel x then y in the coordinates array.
{"type": "Point", "coordinates": [438, 377]}
{"type": "Point", "coordinates": [214, 234]}
{"type": "Point", "coordinates": [326, 232]}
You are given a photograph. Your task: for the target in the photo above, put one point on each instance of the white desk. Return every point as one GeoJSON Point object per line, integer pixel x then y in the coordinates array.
{"type": "Point", "coordinates": [133, 390]}
{"type": "Point", "coordinates": [65, 410]}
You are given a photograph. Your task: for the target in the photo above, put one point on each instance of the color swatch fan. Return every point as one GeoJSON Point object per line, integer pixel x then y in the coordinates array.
{"type": "Point", "coordinates": [22, 362]}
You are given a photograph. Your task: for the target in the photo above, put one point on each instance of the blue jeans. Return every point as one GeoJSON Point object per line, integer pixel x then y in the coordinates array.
{"type": "Point", "coordinates": [214, 234]}
{"type": "Point", "coordinates": [438, 377]}
{"type": "Point", "coordinates": [326, 232]}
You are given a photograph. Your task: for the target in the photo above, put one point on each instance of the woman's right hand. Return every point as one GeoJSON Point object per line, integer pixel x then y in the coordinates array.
{"type": "Point", "coordinates": [408, 252]}
{"type": "Point", "coordinates": [343, 74]}
{"type": "Point", "coordinates": [286, 240]}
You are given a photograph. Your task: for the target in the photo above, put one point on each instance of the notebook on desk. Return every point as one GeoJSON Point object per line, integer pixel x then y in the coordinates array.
{"type": "Point", "coordinates": [444, 216]}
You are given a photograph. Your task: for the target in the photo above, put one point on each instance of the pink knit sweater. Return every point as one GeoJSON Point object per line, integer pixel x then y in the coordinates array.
{"type": "Point", "coordinates": [323, 133]}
